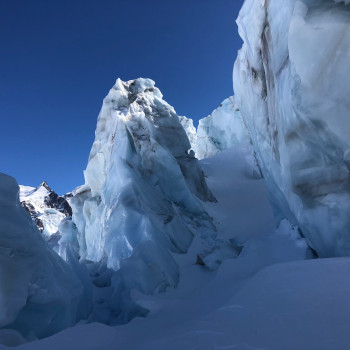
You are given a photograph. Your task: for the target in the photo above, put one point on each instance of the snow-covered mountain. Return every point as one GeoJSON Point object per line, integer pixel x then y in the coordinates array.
{"type": "Point", "coordinates": [292, 88]}
{"type": "Point", "coordinates": [45, 207]}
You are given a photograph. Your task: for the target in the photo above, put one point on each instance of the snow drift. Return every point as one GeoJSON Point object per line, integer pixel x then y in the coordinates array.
{"type": "Point", "coordinates": [292, 87]}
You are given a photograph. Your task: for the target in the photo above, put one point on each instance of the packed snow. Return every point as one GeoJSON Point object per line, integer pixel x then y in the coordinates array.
{"type": "Point", "coordinates": [292, 87]}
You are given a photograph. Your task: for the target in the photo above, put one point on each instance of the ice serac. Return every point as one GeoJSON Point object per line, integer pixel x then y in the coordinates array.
{"type": "Point", "coordinates": [191, 132]}
{"type": "Point", "coordinates": [143, 189]}
{"type": "Point", "coordinates": [222, 129]}
{"type": "Point", "coordinates": [39, 295]}
{"type": "Point", "coordinates": [291, 82]}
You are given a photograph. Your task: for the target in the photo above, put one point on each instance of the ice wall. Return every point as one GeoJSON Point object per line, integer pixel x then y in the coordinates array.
{"type": "Point", "coordinates": [39, 295]}
{"type": "Point", "coordinates": [222, 129]}
{"type": "Point", "coordinates": [291, 82]}
{"type": "Point", "coordinates": [143, 189]}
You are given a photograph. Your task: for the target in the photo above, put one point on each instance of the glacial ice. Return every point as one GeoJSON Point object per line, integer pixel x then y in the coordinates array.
{"type": "Point", "coordinates": [39, 294]}
{"type": "Point", "coordinates": [143, 192]}
{"type": "Point", "coordinates": [222, 129]}
{"type": "Point", "coordinates": [292, 87]}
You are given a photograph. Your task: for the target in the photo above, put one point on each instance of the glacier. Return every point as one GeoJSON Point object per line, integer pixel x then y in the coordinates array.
{"type": "Point", "coordinates": [39, 293]}
{"type": "Point", "coordinates": [292, 89]}
{"type": "Point", "coordinates": [219, 236]}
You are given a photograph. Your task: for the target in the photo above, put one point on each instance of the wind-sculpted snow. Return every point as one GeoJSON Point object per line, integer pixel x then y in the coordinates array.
{"type": "Point", "coordinates": [291, 81]}
{"type": "Point", "coordinates": [39, 294]}
{"type": "Point", "coordinates": [143, 190]}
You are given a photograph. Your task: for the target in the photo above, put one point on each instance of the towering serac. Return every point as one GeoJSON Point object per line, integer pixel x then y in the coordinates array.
{"type": "Point", "coordinates": [143, 191]}
{"type": "Point", "coordinates": [291, 81]}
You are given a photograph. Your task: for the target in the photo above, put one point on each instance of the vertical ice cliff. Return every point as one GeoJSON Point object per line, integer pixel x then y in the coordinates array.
{"type": "Point", "coordinates": [291, 82]}
{"type": "Point", "coordinates": [143, 189]}
{"type": "Point", "coordinates": [39, 295]}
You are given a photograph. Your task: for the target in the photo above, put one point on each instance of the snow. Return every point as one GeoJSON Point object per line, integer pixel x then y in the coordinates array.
{"type": "Point", "coordinates": [240, 196]}
{"type": "Point", "coordinates": [39, 295]}
{"type": "Point", "coordinates": [292, 88]}
{"type": "Point", "coordinates": [269, 297]}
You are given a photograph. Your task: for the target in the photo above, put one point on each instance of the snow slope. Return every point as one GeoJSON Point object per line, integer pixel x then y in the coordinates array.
{"type": "Point", "coordinates": [269, 297]}
{"type": "Point", "coordinates": [39, 294]}
{"type": "Point", "coordinates": [291, 85]}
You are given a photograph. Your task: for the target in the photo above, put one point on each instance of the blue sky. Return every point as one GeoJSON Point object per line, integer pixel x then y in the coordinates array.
{"type": "Point", "coordinates": [60, 58]}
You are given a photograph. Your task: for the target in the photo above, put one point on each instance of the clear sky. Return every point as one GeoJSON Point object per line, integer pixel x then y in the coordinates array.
{"type": "Point", "coordinates": [59, 58]}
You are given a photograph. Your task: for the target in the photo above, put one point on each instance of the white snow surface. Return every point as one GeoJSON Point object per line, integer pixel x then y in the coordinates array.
{"type": "Point", "coordinates": [50, 217]}
{"type": "Point", "coordinates": [292, 88]}
{"type": "Point", "coordinates": [39, 294]}
{"type": "Point", "coordinates": [269, 297]}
